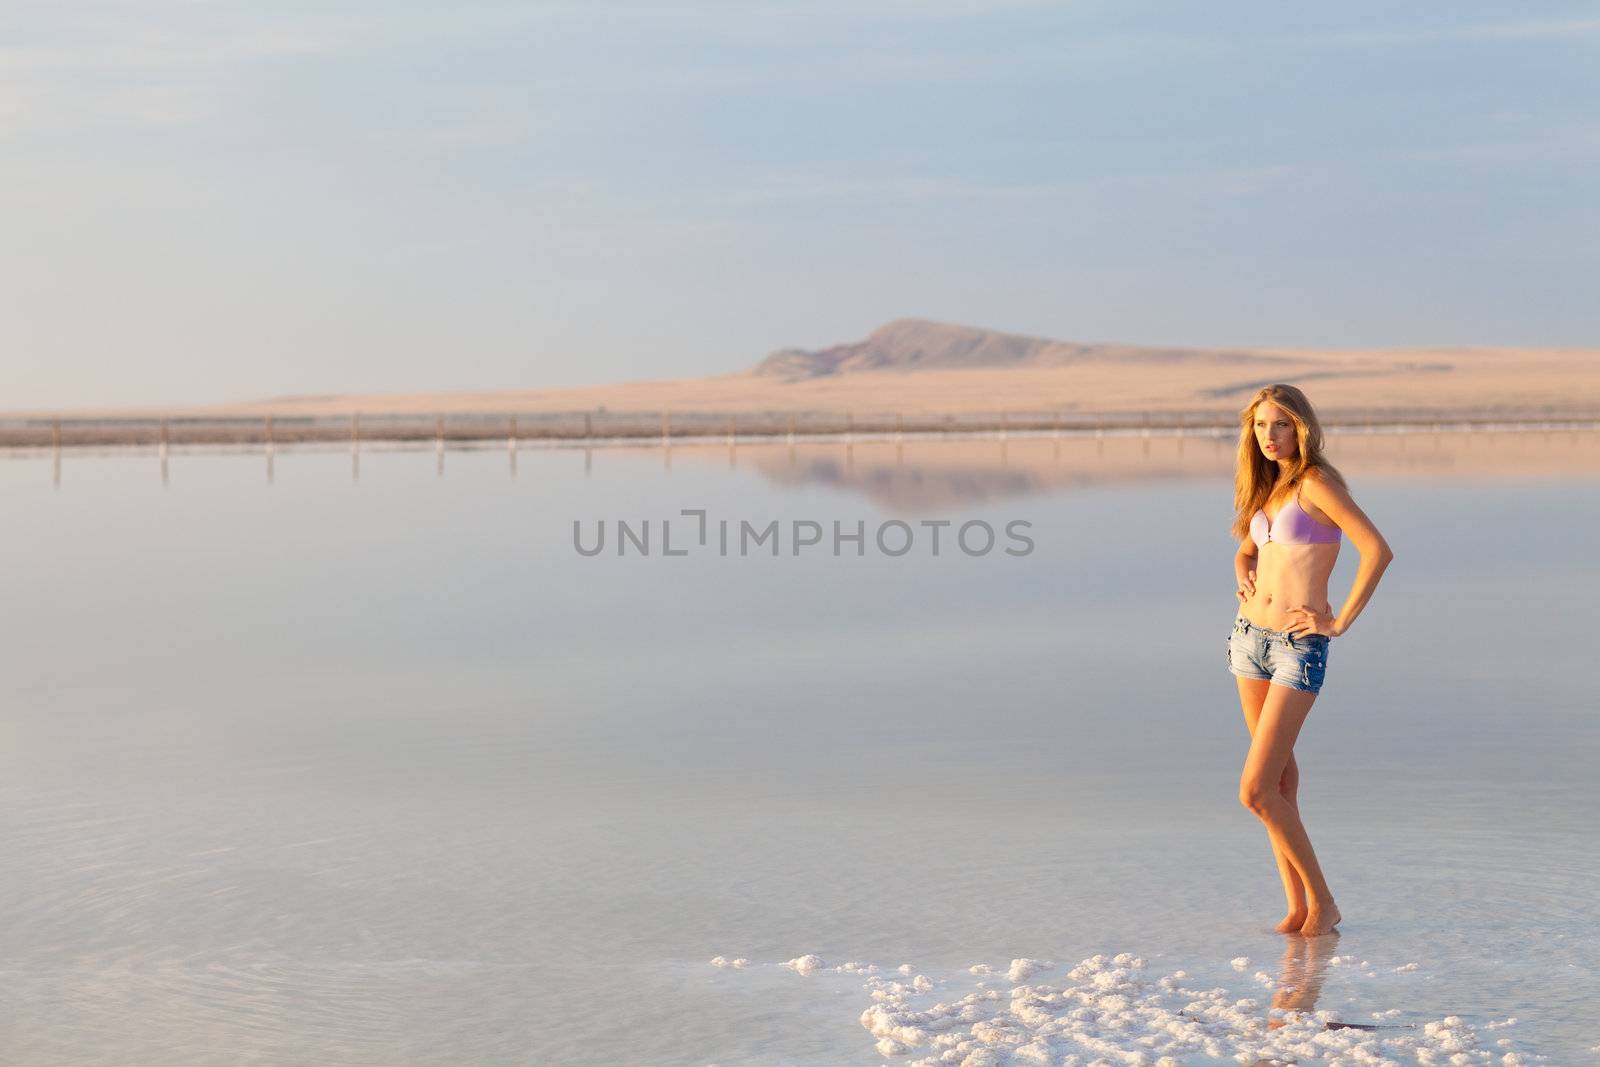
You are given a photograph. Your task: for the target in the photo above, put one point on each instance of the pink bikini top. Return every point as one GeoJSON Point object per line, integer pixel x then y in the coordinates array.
{"type": "Point", "coordinates": [1294, 527]}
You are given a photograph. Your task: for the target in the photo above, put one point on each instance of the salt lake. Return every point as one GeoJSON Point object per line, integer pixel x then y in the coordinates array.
{"type": "Point", "coordinates": [368, 763]}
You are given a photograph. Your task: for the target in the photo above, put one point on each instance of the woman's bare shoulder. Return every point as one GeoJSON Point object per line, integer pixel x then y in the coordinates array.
{"type": "Point", "coordinates": [1319, 480]}
{"type": "Point", "coordinates": [1324, 492]}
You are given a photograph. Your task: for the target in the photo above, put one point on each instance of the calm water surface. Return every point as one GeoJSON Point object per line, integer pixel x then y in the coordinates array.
{"type": "Point", "coordinates": [383, 770]}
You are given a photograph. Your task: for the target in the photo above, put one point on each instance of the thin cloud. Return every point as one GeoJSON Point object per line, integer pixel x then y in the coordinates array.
{"type": "Point", "coordinates": [744, 10]}
{"type": "Point", "coordinates": [1216, 183]}
{"type": "Point", "coordinates": [109, 68]}
{"type": "Point", "coordinates": [1556, 144]}
{"type": "Point", "coordinates": [133, 50]}
{"type": "Point", "coordinates": [1569, 29]}
{"type": "Point", "coordinates": [1532, 30]}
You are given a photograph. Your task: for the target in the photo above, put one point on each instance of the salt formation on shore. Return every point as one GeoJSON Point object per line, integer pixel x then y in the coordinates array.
{"type": "Point", "coordinates": [1112, 1011]}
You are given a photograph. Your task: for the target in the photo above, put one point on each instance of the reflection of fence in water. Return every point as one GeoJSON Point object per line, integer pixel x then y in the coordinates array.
{"type": "Point", "coordinates": [966, 458]}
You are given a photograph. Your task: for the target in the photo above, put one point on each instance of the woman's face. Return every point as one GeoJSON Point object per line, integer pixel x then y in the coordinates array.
{"type": "Point", "coordinates": [1275, 432]}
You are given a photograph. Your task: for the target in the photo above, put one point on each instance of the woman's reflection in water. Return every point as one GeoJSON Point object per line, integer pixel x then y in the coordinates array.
{"type": "Point", "coordinates": [1305, 964]}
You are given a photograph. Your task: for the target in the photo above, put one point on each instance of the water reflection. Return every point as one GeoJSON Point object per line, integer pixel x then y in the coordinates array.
{"type": "Point", "coordinates": [904, 475]}
{"type": "Point", "coordinates": [911, 476]}
{"type": "Point", "coordinates": [1300, 975]}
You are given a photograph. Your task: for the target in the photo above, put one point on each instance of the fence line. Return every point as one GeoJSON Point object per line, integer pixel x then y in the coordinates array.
{"type": "Point", "coordinates": [671, 427]}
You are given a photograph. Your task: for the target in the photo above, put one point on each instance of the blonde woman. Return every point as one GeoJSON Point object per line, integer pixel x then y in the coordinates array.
{"type": "Point", "coordinates": [1292, 509]}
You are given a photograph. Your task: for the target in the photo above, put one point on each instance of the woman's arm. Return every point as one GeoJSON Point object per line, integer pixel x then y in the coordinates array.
{"type": "Point", "coordinates": [1244, 569]}
{"type": "Point", "coordinates": [1334, 501]}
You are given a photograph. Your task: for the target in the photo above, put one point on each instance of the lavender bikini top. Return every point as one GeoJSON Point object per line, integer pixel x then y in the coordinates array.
{"type": "Point", "coordinates": [1294, 527]}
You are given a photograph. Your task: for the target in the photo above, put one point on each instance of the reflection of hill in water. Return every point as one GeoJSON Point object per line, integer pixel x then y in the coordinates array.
{"type": "Point", "coordinates": [911, 481]}
{"type": "Point", "coordinates": [906, 485]}
{"type": "Point", "coordinates": [932, 474]}
{"type": "Point", "coordinates": [920, 475]}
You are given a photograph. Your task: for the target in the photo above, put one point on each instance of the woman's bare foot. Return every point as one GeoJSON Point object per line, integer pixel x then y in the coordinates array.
{"type": "Point", "coordinates": [1320, 921]}
{"type": "Point", "coordinates": [1292, 921]}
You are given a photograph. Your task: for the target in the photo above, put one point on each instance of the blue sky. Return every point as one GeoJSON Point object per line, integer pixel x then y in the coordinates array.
{"type": "Point", "coordinates": [216, 201]}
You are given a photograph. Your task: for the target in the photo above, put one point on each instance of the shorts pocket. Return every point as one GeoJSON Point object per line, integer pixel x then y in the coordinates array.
{"type": "Point", "coordinates": [1314, 664]}
{"type": "Point", "coordinates": [1233, 639]}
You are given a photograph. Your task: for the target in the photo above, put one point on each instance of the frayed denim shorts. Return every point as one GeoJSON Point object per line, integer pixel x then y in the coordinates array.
{"type": "Point", "coordinates": [1298, 662]}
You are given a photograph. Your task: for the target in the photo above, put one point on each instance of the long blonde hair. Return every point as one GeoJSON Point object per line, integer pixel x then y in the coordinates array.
{"type": "Point", "coordinates": [1255, 476]}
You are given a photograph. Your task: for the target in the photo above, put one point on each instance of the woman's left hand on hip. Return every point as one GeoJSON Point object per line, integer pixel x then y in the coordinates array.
{"type": "Point", "coordinates": [1310, 622]}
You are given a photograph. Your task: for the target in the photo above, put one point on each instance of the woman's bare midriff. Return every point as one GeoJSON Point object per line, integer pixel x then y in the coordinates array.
{"type": "Point", "coordinates": [1289, 576]}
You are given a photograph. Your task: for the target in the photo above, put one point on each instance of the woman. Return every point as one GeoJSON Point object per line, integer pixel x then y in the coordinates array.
{"type": "Point", "coordinates": [1292, 509]}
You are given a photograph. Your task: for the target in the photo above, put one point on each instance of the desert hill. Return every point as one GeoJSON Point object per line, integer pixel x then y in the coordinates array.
{"type": "Point", "coordinates": [920, 345]}
{"type": "Point", "coordinates": [918, 369]}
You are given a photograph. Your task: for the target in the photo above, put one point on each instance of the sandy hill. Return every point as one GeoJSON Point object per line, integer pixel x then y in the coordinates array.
{"type": "Point", "coordinates": [920, 345]}
{"type": "Point", "coordinates": [916, 367]}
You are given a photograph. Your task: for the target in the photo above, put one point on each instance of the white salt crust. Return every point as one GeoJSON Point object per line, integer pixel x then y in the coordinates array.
{"type": "Point", "coordinates": [1110, 1011]}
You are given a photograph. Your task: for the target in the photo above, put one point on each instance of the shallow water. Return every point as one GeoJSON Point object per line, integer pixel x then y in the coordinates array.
{"type": "Point", "coordinates": [372, 769]}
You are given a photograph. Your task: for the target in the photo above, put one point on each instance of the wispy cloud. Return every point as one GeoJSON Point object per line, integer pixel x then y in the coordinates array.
{"type": "Point", "coordinates": [109, 66]}
{"type": "Point", "coordinates": [1557, 143]}
{"type": "Point", "coordinates": [746, 10]}
{"type": "Point", "coordinates": [130, 49]}
{"type": "Point", "coordinates": [1222, 183]}
{"type": "Point", "coordinates": [1566, 29]}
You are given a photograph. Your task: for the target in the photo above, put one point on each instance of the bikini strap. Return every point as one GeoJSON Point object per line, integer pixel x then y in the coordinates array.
{"type": "Point", "coordinates": [1297, 487]}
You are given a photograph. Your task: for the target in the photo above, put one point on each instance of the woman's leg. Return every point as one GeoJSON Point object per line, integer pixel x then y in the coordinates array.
{"type": "Point", "coordinates": [1252, 693]}
{"type": "Point", "coordinates": [1294, 888]}
{"type": "Point", "coordinates": [1283, 712]}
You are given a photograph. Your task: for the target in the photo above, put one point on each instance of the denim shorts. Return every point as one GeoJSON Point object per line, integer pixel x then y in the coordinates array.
{"type": "Point", "coordinates": [1298, 662]}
